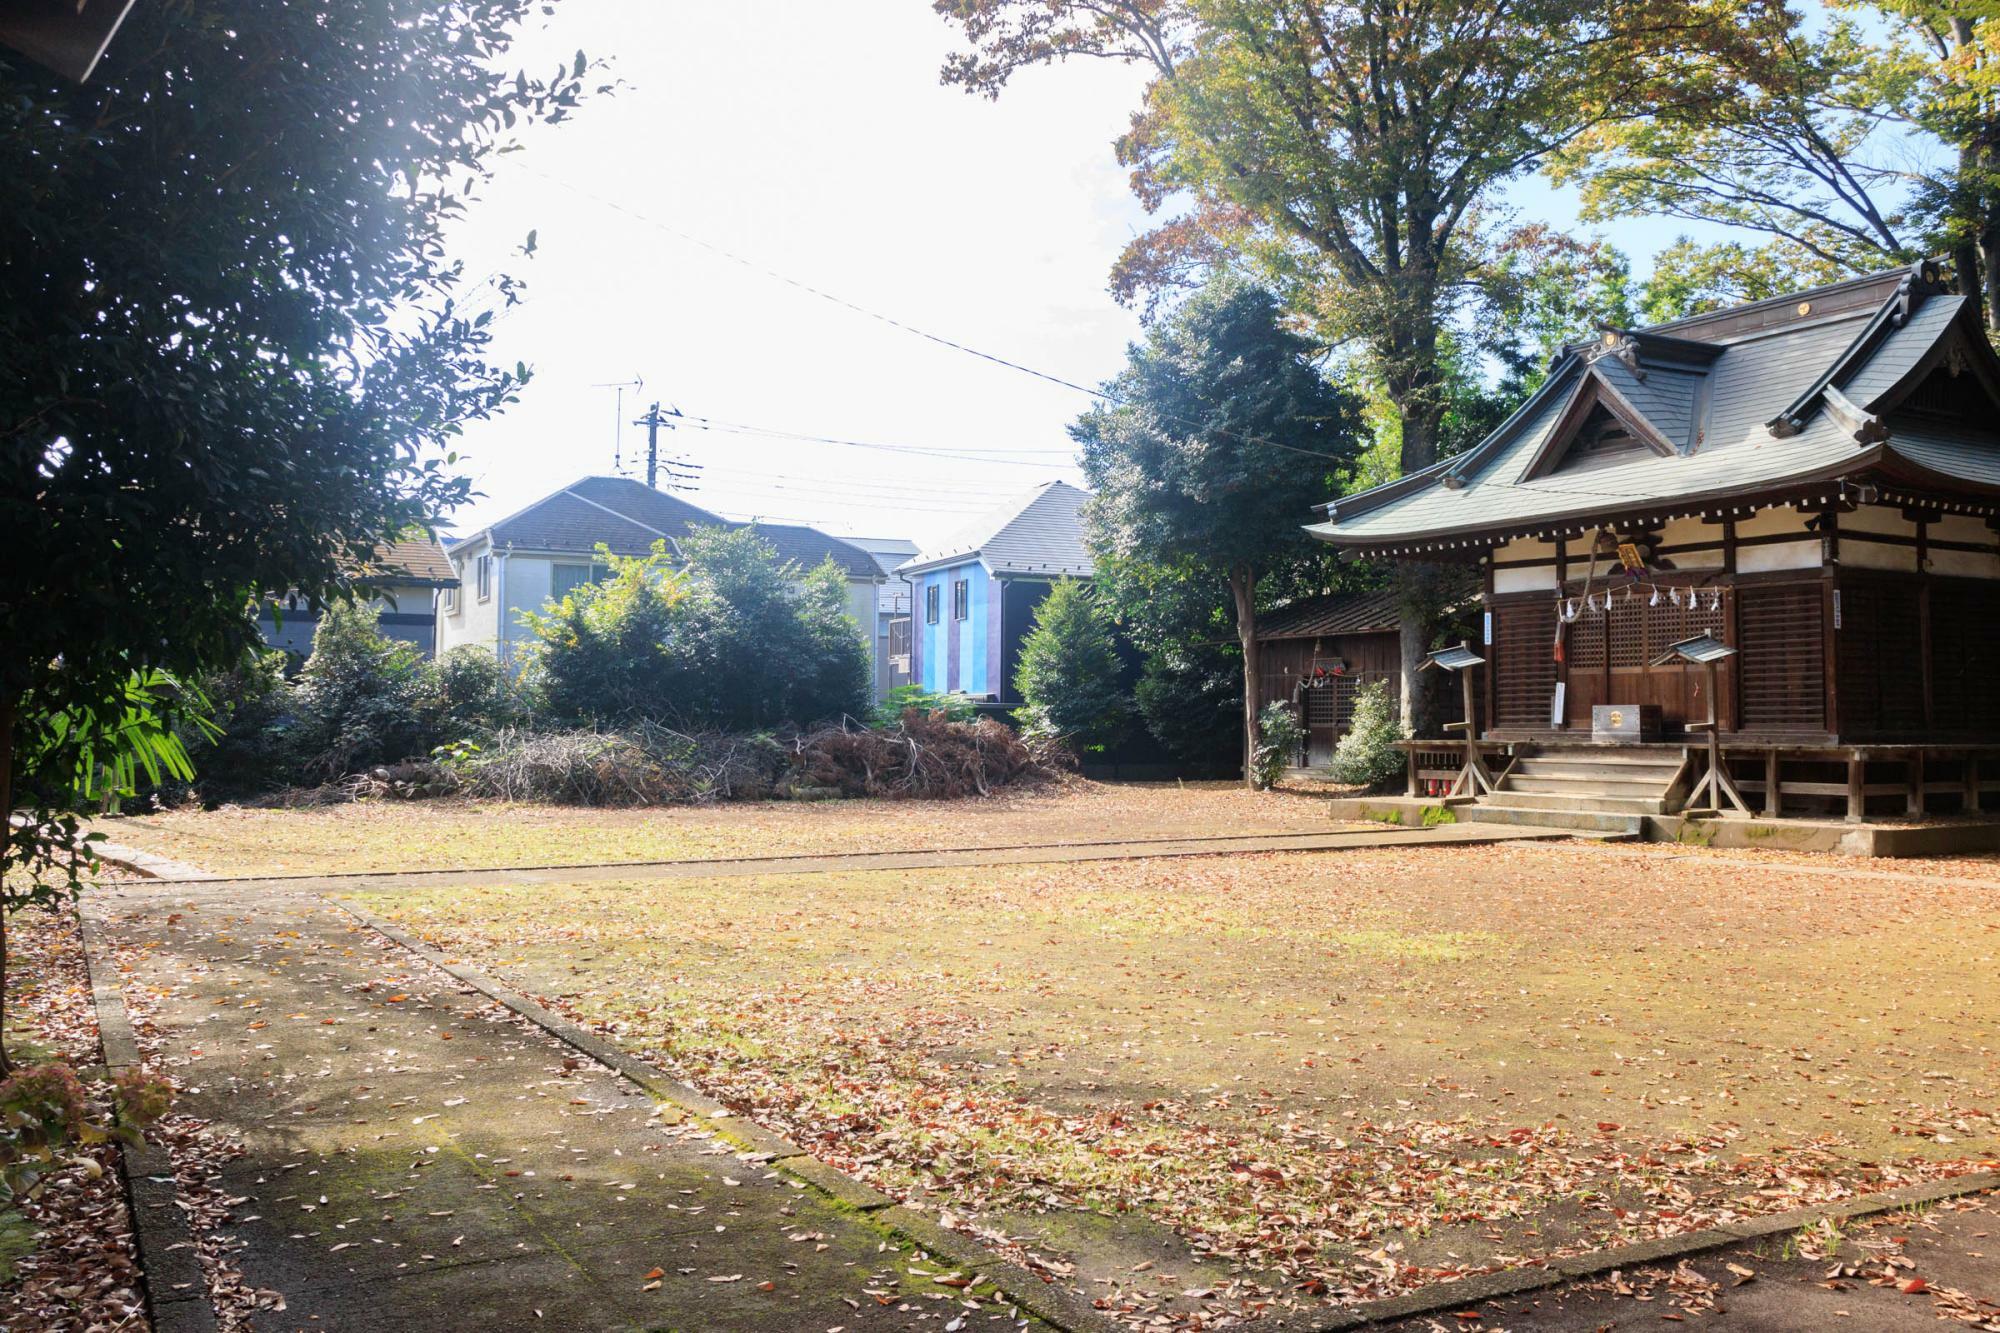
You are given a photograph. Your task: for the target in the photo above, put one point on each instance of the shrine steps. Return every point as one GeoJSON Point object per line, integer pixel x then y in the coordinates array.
{"type": "Point", "coordinates": [1590, 823]}
{"type": "Point", "coordinates": [1597, 788]}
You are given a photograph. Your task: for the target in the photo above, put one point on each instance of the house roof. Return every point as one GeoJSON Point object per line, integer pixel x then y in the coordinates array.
{"type": "Point", "coordinates": [1038, 534]}
{"type": "Point", "coordinates": [419, 560]}
{"type": "Point", "coordinates": [1795, 391]}
{"type": "Point", "coordinates": [629, 516]}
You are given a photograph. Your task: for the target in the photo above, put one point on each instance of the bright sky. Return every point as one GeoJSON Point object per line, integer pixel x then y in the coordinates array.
{"type": "Point", "coordinates": [813, 140]}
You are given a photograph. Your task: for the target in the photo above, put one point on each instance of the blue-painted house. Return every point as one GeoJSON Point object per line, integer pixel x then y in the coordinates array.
{"type": "Point", "coordinates": [973, 599]}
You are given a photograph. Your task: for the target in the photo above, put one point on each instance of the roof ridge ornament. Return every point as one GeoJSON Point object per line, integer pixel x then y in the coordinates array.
{"type": "Point", "coordinates": [1619, 344]}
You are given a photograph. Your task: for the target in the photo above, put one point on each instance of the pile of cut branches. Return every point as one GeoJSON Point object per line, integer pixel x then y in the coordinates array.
{"type": "Point", "coordinates": [925, 756]}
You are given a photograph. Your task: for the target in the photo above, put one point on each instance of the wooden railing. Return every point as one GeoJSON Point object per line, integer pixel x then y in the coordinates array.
{"type": "Point", "coordinates": [1453, 770]}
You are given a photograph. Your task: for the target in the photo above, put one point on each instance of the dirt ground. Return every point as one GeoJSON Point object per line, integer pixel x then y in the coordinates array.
{"type": "Point", "coordinates": [432, 835]}
{"type": "Point", "coordinates": [1230, 1087]}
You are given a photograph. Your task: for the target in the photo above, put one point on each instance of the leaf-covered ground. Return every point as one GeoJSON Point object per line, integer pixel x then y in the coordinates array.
{"type": "Point", "coordinates": [66, 1257]}
{"type": "Point", "coordinates": [417, 835]}
{"type": "Point", "coordinates": [1212, 1090]}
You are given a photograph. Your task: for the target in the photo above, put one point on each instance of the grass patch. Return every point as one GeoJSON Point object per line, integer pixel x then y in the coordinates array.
{"type": "Point", "coordinates": [1281, 1060]}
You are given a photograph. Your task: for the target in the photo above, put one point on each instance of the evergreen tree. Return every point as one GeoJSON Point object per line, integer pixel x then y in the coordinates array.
{"type": "Point", "coordinates": [1068, 674]}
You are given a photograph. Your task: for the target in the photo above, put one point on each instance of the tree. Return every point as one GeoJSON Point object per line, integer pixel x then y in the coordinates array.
{"type": "Point", "coordinates": [1352, 153]}
{"type": "Point", "coordinates": [770, 642]}
{"type": "Point", "coordinates": [362, 699]}
{"type": "Point", "coordinates": [1214, 442]}
{"type": "Point", "coordinates": [737, 640]}
{"type": "Point", "coordinates": [231, 358]}
{"type": "Point", "coordinates": [1848, 139]}
{"type": "Point", "coordinates": [1179, 618]}
{"type": "Point", "coordinates": [606, 651]}
{"type": "Point", "coordinates": [1068, 676]}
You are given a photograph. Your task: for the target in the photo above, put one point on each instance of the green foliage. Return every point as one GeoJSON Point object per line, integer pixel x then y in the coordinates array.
{"type": "Point", "coordinates": [250, 706]}
{"type": "Point", "coordinates": [607, 650]}
{"type": "Point", "coordinates": [955, 707]}
{"type": "Point", "coordinates": [1351, 154]}
{"type": "Point", "coordinates": [1216, 440]}
{"type": "Point", "coordinates": [236, 362]}
{"type": "Point", "coordinates": [1367, 755]}
{"type": "Point", "coordinates": [1843, 139]}
{"type": "Point", "coordinates": [739, 641]}
{"type": "Point", "coordinates": [1068, 674]}
{"type": "Point", "coordinates": [1190, 687]}
{"type": "Point", "coordinates": [363, 699]}
{"type": "Point", "coordinates": [1279, 739]}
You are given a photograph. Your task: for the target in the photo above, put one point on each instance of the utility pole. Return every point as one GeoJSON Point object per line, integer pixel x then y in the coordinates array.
{"type": "Point", "coordinates": [677, 470]}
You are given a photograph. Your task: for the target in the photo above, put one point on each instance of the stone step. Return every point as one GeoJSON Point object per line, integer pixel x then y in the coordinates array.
{"type": "Point", "coordinates": [1595, 822]}
{"type": "Point", "coordinates": [1584, 786]}
{"type": "Point", "coordinates": [1620, 803]}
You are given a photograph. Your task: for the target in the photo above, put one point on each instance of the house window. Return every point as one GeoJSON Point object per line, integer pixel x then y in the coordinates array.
{"type": "Point", "coordinates": [565, 579]}
{"type": "Point", "coordinates": [961, 599]}
{"type": "Point", "coordinates": [931, 605]}
{"type": "Point", "coordinates": [484, 567]}
{"type": "Point", "coordinates": [450, 600]}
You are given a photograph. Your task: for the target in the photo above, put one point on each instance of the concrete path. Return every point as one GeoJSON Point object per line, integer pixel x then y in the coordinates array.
{"type": "Point", "coordinates": [418, 1157]}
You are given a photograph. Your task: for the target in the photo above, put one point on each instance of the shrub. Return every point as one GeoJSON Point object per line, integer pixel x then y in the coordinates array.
{"type": "Point", "coordinates": [739, 641]}
{"type": "Point", "coordinates": [362, 699]}
{"type": "Point", "coordinates": [955, 707]}
{"type": "Point", "coordinates": [1068, 675]}
{"type": "Point", "coordinates": [475, 695]}
{"type": "Point", "coordinates": [46, 1112]}
{"type": "Point", "coordinates": [1367, 755]}
{"type": "Point", "coordinates": [245, 750]}
{"type": "Point", "coordinates": [1278, 737]}
{"type": "Point", "coordinates": [606, 653]}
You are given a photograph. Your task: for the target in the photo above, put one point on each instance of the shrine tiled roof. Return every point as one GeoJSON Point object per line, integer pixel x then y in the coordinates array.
{"type": "Point", "coordinates": [1796, 391]}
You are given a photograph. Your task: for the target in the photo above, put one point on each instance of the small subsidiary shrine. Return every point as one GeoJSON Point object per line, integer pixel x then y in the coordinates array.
{"type": "Point", "coordinates": [1813, 480]}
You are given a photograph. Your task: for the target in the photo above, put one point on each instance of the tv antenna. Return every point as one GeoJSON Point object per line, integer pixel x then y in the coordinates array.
{"type": "Point", "coordinates": [618, 418]}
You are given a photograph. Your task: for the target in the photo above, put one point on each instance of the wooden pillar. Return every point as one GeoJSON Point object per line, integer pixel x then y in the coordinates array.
{"type": "Point", "coordinates": [1413, 770]}
{"type": "Point", "coordinates": [1857, 788]}
{"type": "Point", "coordinates": [1773, 801]}
{"type": "Point", "coordinates": [1972, 784]}
{"type": "Point", "coordinates": [1916, 774]}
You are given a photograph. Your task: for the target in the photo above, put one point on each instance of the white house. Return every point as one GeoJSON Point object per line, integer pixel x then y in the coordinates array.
{"type": "Point", "coordinates": [520, 562]}
{"type": "Point", "coordinates": [892, 611]}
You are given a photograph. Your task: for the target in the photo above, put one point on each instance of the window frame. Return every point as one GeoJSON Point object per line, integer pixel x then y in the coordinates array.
{"type": "Point", "coordinates": [593, 572]}
{"type": "Point", "coordinates": [483, 577]}
{"type": "Point", "coordinates": [933, 603]}
{"type": "Point", "coordinates": [448, 601]}
{"type": "Point", "coordinates": [961, 599]}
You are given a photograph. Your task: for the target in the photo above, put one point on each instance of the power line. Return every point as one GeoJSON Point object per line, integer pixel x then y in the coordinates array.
{"type": "Point", "coordinates": [768, 432]}
{"type": "Point", "coordinates": [938, 338]}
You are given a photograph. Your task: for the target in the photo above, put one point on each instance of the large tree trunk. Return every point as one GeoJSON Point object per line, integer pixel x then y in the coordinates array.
{"type": "Point", "coordinates": [1243, 588]}
{"type": "Point", "coordinates": [1419, 605]}
{"type": "Point", "coordinates": [8, 713]}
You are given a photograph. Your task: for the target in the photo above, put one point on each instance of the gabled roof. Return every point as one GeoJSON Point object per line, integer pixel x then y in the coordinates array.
{"type": "Point", "coordinates": [1786, 393]}
{"type": "Point", "coordinates": [629, 517]}
{"type": "Point", "coordinates": [1039, 534]}
{"type": "Point", "coordinates": [419, 559]}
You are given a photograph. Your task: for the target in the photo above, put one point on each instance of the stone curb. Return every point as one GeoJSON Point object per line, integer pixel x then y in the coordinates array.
{"type": "Point", "coordinates": [145, 863]}
{"type": "Point", "coordinates": [822, 863]}
{"type": "Point", "coordinates": [176, 1291]}
{"type": "Point", "coordinates": [1472, 1291]}
{"type": "Point", "coordinates": [1045, 1300]}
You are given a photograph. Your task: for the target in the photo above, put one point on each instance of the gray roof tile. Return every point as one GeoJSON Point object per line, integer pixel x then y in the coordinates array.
{"type": "Point", "coordinates": [1040, 533]}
